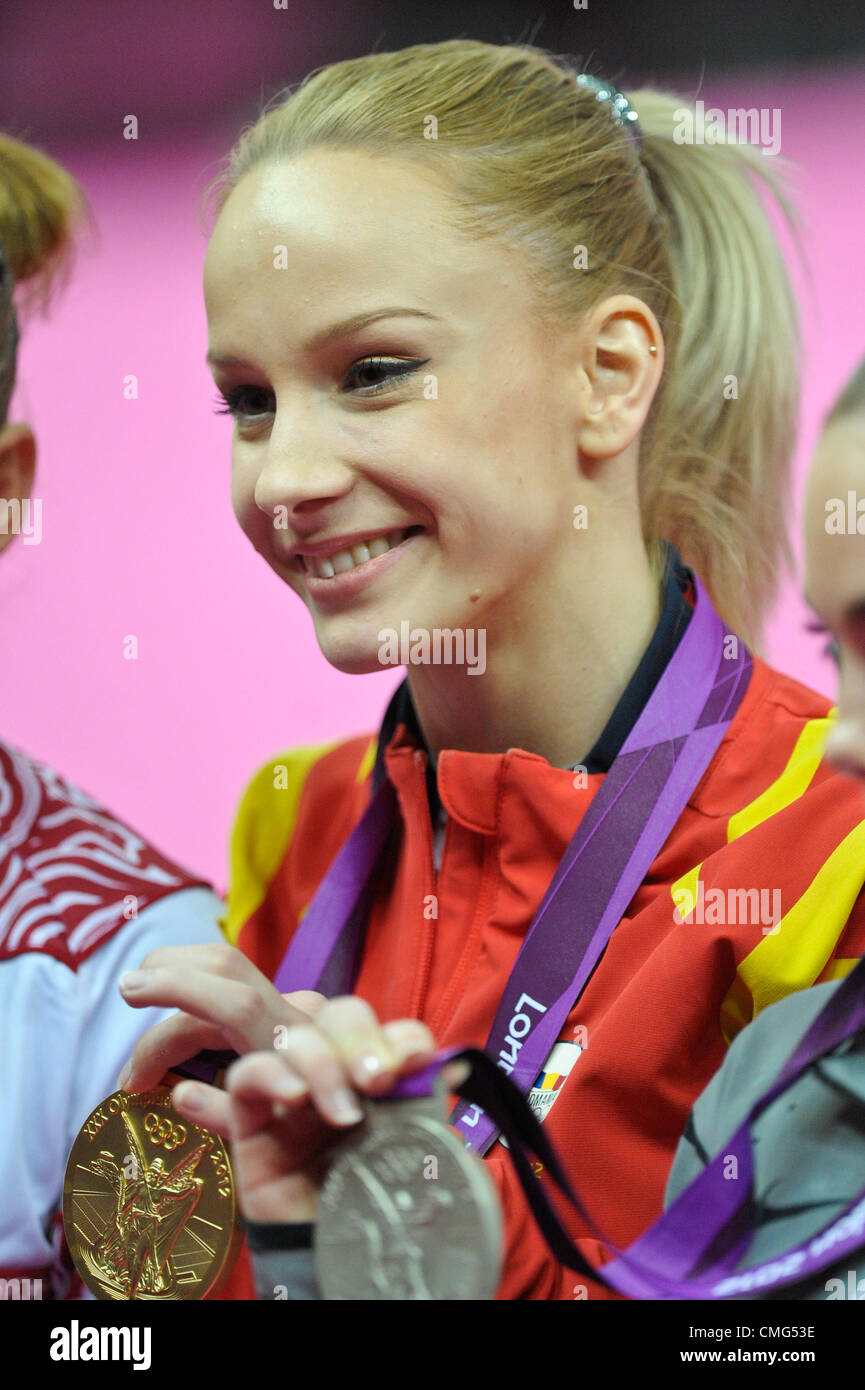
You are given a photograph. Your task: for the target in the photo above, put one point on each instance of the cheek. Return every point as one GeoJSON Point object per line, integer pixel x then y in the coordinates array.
{"type": "Point", "coordinates": [851, 692]}
{"type": "Point", "coordinates": [845, 746]}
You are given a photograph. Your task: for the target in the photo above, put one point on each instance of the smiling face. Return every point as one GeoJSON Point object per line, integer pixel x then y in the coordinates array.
{"type": "Point", "coordinates": [418, 463]}
{"type": "Point", "coordinates": [835, 575]}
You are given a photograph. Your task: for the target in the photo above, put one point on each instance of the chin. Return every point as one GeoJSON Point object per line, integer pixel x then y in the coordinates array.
{"type": "Point", "coordinates": [353, 659]}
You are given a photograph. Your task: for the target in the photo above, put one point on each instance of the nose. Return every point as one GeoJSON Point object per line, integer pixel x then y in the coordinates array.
{"type": "Point", "coordinates": [299, 468]}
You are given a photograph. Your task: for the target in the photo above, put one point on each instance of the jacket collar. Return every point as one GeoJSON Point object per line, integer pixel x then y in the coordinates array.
{"type": "Point", "coordinates": [675, 616]}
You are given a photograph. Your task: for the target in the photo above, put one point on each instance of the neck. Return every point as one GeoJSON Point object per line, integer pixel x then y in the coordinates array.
{"type": "Point", "coordinates": [551, 680]}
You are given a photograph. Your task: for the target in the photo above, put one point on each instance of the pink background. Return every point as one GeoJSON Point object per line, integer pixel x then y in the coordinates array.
{"type": "Point", "coordinates": [139, 537]}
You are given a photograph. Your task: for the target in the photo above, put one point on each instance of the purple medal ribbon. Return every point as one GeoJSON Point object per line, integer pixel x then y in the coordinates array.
{"type": "Point", "coordinates": [692, 1250]}
{"type": "Point", "coordinates": [620, 835]}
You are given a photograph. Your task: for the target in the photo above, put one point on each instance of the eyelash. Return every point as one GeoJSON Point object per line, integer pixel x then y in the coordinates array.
{"type": "Point", "coordinates": [228, 402]}
{"type": "Point", "coordinates": [832, 648]}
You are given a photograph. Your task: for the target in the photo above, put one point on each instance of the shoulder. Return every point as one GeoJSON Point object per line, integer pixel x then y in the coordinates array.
{"type": "Point", "coordinates": [757, 1054]}
{"type": "Point", "coordinates": [272, 796]}
{"type": "Point", "coordinates": [753, 1061]}
{"type": "Point", "coordinates": [771, 756]}
{"type": "Point", "coordinates": [71, 872]}
{"type": "Point", "coordinates": [779, 707]}
{"type": "Point", "coordinates": [301, 792]}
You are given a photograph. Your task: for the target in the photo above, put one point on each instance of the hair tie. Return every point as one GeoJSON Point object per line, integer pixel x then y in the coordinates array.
{"type": "Point", "coordinates": [618, 106]}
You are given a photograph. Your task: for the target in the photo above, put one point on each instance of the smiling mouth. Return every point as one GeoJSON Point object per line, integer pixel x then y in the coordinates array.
{"type": "Point", "coordinates": [328, 567]}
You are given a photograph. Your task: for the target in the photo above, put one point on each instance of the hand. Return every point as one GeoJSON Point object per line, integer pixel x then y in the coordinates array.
{"type": "Point", "coordinates": [225, 1002]}
{"type": "Point", "coordinates": [284, 1110]}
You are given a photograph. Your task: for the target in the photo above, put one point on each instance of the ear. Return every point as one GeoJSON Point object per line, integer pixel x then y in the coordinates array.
{"type": "Point", "coordinates": [17, 470]}
{"type": "Point", "coordinates": [619, 374]}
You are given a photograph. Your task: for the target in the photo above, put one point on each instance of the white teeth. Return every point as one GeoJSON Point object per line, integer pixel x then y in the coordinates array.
{"type": "Point", "coordinates": [345, 560]}
{"type": "Point", "coordinates": [342, 561]}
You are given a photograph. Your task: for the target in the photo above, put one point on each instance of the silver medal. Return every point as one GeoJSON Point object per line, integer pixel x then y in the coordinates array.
{"type": "Point", "coordinates": [406, 1212]}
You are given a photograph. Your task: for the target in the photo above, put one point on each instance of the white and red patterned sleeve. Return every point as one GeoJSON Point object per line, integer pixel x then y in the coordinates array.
{"type": "Point", "coordinates": [82, 899]}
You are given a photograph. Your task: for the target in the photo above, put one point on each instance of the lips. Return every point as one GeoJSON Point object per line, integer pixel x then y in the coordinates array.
{"type": "Point", "coordinates": [328, 565]}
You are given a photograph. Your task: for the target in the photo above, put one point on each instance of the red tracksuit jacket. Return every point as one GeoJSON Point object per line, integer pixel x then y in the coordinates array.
{"type": "Point", "coordinates": [654, 1021]}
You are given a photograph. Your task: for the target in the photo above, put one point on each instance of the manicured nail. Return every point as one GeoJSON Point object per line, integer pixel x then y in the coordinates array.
{"type": "Point", "coordinates": [344, 1107]}
{"type": "Point", "coordinates": [124, 1076]}
{"type": "Point", "coordinates": [132, 980]}
{"type": "Point", "coordinates": [371, 1066]}
{"type": "Point", "coordinates": [290, 1087]}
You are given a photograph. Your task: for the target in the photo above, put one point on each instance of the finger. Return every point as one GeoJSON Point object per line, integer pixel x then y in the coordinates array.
{"type": "Point", "coordinates": [216, 957]}
{"type": "Point", "coordinates": [455, 1073]}
{"type": "Point", "coordinates": [312, 1055]}
{"type": "Point", "coordinates": [259, 1085]}
{"type": "Point", "coordinates": [307, 1000]}
{"type": "Point", "coordinates": [167, 1043]}
{"type": "Point", "coordinates": [203, 1105]}
{"type": "Point", "coordinates": [412, 1043]}
{"type": "Point", "coordinates": [243, 1012]}
{"type": "Point", "coordinates": [361, 1043]}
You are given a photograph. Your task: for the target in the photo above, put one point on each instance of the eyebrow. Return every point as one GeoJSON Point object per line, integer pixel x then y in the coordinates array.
{"type": "Point", "coordinates": [336, 330]}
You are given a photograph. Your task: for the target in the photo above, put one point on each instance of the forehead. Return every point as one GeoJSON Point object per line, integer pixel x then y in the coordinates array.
{"type": "Point", "coordinates": [838, 465]}
{"type": "Point", "coordinates": [835, 563]}
{"type": "Point", "coordinates": [349, 221]}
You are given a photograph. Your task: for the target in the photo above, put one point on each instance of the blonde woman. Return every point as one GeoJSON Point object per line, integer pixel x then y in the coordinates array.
{"type": "Point", "coordinates": [506, 362]}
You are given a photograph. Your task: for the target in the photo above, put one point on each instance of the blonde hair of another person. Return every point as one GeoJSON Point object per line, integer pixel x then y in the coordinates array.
{"type": "Point", "coordinates": [40, 204]}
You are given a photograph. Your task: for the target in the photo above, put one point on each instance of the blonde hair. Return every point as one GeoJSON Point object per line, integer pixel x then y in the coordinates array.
{"type": "Point", "coordinates": [532, 157]}
{"type": "Point", "coordinates": [40, 205]}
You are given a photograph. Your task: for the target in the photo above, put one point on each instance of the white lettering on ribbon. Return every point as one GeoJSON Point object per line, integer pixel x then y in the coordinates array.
{"type": "Point", "coordinates": [518, 1029]}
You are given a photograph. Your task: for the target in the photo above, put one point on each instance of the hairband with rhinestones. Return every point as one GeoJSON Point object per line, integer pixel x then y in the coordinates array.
{"type": "Point", "coordinates": [618, 105]}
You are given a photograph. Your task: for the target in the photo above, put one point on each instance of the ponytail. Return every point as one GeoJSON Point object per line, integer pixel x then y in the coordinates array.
{"type": "Point", "coordinates": [718, 482]}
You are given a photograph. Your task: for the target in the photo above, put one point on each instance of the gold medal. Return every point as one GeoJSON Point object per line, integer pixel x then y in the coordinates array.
{"type": "Point", "coordinates": [149, 1203]}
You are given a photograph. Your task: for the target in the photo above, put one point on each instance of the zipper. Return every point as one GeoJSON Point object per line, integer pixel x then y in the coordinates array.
{"type": "Point", "coordinates": [428, 924]}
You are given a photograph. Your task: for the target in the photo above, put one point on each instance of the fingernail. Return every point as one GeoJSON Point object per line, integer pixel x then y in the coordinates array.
{"type": "Point", "coordinates": [124, 1076]}
{"type": "Point", "coordinates": [344, 1107]}
{"type": "Point", "coordinates": [289, 1087]}
{"type": "Point", "coordinates": [189, 1096]}
{"type": "Point", "coordinates": [131, 980]}
{"type": "Point", "coordinates": [371, 1066]}
{"type": "Point", "coordinates": [455, 1073]}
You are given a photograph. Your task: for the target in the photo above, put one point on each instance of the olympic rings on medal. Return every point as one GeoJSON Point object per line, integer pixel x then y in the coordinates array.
{"type": "Point", "coordinates": [163, 1131]}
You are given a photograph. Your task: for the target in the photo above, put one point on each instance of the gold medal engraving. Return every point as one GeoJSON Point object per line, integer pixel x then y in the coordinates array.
{"type": "Point", "coordinates": [149, 1202]}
